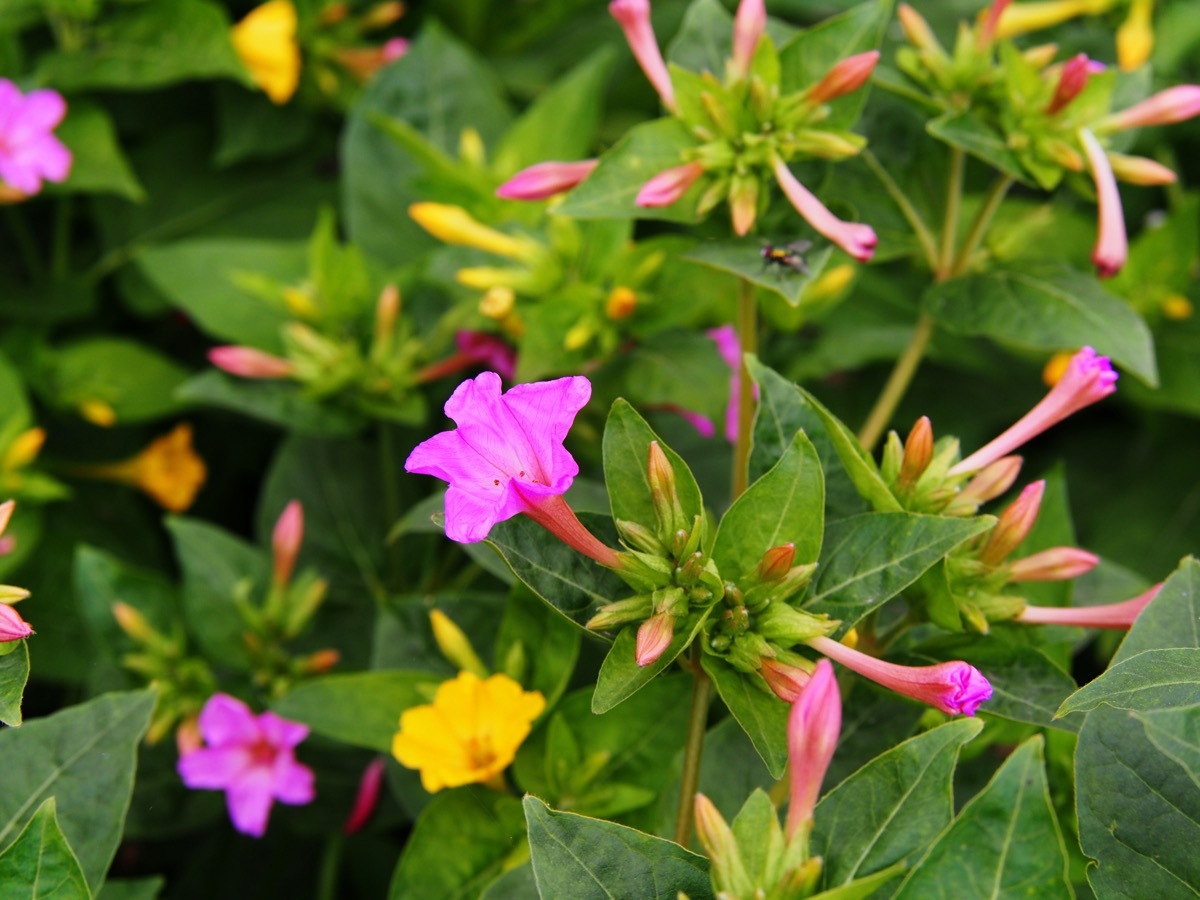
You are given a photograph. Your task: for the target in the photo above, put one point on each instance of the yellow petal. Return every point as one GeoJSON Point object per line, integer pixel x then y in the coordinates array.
{"type": "Point", "coordinates": [265, 41]}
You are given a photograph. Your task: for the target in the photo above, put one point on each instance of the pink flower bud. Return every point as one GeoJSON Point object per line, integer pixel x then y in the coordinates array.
{"type": "Point", "coordinates": [1074, 78]}
{"type": "Point", "coordinates": [367, 797]}
{"type": "Point", "coordinates": [856, 239]}
{"type": "Point", "coordinates": [286, 539]}
{"type": "Point", "coordinates": [1014, 524]}
{"type": "Point", "coordinates": [1108, 615]}
{"type": "Point", "coordinates": [653, 637]}
{"type": "Point", "coordinates": [12, 626]}
{"type": "Point", "coordinates": [1055, 564]}
{"type": "Point", "coordinates": [785, 681]}
{"type": "Point", "coordinates": [1139, 170]}
{"type": "Point", "coordinates": [813, 728]}
{"type": "Point", "coordinates": [748, 26]}
{"type": "Point", "coordinates": [1175, 104]}
{"type": "Point", "coordinates": [394, 49]}
{"type": "Point", "coordinates": [1088, 378]}
{"type": "Point", "coordinates": [249, 363]}
{"type": "Point", "coordinates": [955, 688]}
{"type": "Point", "coordinates": [1112, 247]}
{"type": "Point", "coordinates": [489, 351]}
{"type": "Point", "coordinates": [667, 187]}
{"type": "Point", "coordinates": [634, 18]}
{"type": "Point", "coordinates": [776, 562]}
{"type": "Point", "coordinates": [546, 179]}
{"type": "Point", "coordinates": [846, 76]}
{"type": "Point", "coordinates": [987, 30]}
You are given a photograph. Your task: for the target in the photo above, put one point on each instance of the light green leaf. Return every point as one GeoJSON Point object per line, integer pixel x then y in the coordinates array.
{"type": "Point", "coordinates": [14, 672]}
{"type": "Point", "coordinates": [98, 165]}
{"type": "Point", "coordinates": [967, 132]}
{"type": "Point", "coordinates": [535, 646]}
{"type": "Point", "coordinates": [744, 259]}
{"type": "Point", "coordinates": [40, 864]}
{"type": "Point", "coordinates": [621, 677]}
{"type": "Point", "coordinates": [1154, 679]}
{"type": "Point", "coordinates": [280, 403]}
{"type": "Point", "coordinates": [138, 382]}
{"type": "Point", "coordinates": [762, 715]}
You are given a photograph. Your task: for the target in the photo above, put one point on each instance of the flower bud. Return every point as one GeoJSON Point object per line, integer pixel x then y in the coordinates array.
{"type": "Point", "coordinates": [621, 303]}
{"type": "Point", "coordinates": [497, 303]}
{"type": "Point", "coordinates": [1175, 104]}
{"type": "Point", "coordinates": [1107, 615]}
{"type": "Point", "coordinates": [286, 539]}
{"type": "Point", "coordinates": [367, 797]}
{"type": "Point", "coordinates": [455, 645]}
{"type": "Point", "coordinates": [749, 24]}
{"type": "Point", "coordinates": [653, 637]}
{"type": "Point", "coordinates": [663, 494]}
{"type": "Point", "coordinates": [1072, 80]}
{"type": "Point", "coordinates": [12, 626]}
{"type": "Point", "coordinates": [918, 451]}
{"type": "Point", "coordinates": [544, 180]}
{"type": "Point", "coordinates": [318, 663]}
{"type": "Point", "coordinates": [917, 31]}
{"type": "Point", "coordinates": [1135, 36]}
{"type": "Point", "coordinates": [12, 594]}
{"type": "Point", "coordinates": [454, 225]}
{"type": "Point", "coordinates": [812, 735]}
{"type": "Point", "coordinates": [719, 843]}
{"type": "Point", "coordinates": [640, 537]}
{"type": "Point", "coordinates": [133, 623]}
{"type": "Point", "coordinates": [743, 203]}
{"type": "Point", "coordinates": [785, 681]}
{"type": "Point", "coordinates": [668, 186]}
{"type": "Point", "coordinates": [846, 76]}
{"type": "Point", "coordinates": [1055, 564]}
{"type": "Point", "coordinates": [1140, 170]}
{"type": "Point", "coordinates": [1014, 525]}
{"type": "Point", "coordinates": [24, 449]}
{"type": "Point", "coordinates": [775, 563]}
{"type": "Point", "coordinates": [387, 309]}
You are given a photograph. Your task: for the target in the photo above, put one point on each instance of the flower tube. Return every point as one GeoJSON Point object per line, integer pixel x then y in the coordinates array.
{"type": "Point", "coordinates": [544, 180]}
{"type": "Point", "coordinates": [855, 238]}
{"type": "Point", "coordinates": [634, 18]}
{"type": "Point", "coordinates": [1108, 615]}
{"type": "Point", "coordinates": [1112, 246]}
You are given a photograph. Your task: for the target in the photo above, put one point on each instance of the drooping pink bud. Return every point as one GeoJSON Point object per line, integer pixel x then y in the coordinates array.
{"type": "Point", "coordinates": [813, 729]}
{"type": "Point", "coordinates": [12, 626]}
{"type": "Point", "coordinates": [987, 29]}
{"type": "Point", "coordinates": [1140, 170]}
{"type": "Point", "coordinates": [367, 797]}
{"type": "Point", "coordinates": [1072, 80]}
{"type": "Point", "coordinates": [668, 186]}
{"type": "Point", "coordinates": [847, 75]}
{"type": "Point", "coordinates": [956, 688]}
{"type": "Point", "coordinates": [538, 182]}
{"type": "Point", "coordinates": [1112, 247]}
{"type": "Point", "coordinates": [785, 681]}
{"type": "Point", "coordinates": [1088, 378]}
{"type": "Point", "coordinates": [1108, 615]}
{"type": "Point", "coordinates": [1175, 104]}
{"type": "Point", "coordinates": [856, 239]}
{"type": "Point", "coordinates": [1013, 525]}
{"type": "Point", "coordinates": [634, 18]}
{"type": "Point", "coordinates": [748, 26]}
{"type": "Point", "coordinates": [286, 539]}
{"type": "Point", "coordinates": [993, 480]}
{"type": "Point", "coordinates": [653, 637]}
{"type": "Point", "coordinates": [1055, 564]}
{"type": "Point", "coordinates": [249, 363]}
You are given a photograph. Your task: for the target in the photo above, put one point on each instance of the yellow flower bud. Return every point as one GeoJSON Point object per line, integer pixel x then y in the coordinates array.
{"type": "Point", "coordinates": [98, 413]}
{"type": "Point", "coordinates": [1177, 307]}
{"type": "Point", "coordinates": [498, 302]}
{"type": "Point", "coordinates": [24, 449]}
{"type": "Point", "coordinates": [1135, 37]}
{"type": "Point", "coordinates": [830, 283]}
{"type": "Point", "coordinates": [455, 645]}
{"type": "Point", "coordinates": [620, 304]}
{"type": "Point", "coordinates": [470, 148]}
{"type": "Point", "coordinates": [454, 225]}
{"type": "Point", "coordinates": [1022, 18]}
{"type": "Point", "coordinates": [484, 278]}
{"type": "Point", "coordinates": [1056, 367]}
{"type": "Point", "coordinates": [265, 41]}
{"type": "Point", "coordinates": [578, 336]}
{"type": "Point", "coordinates": [299, 302]}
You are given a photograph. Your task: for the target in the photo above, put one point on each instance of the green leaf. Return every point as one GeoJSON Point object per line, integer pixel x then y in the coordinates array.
{"type": "Point", "coordinates": [536, 647]}
{"type": "Point", "coordinates": [620, 676]}
{"type": "Point", "coordinates": [762, 715]}
{"type": "Point", "coordinates": [786, 505]}
{"type": "Point", "coordinates": [131, 888]}
{"type": "Point", "coordinates": [84, 756]}
{"type": "Point", "coordinates": [14, 672]}
{"type": "Point", "coordinates": [139, 383]}
{"type": "Point", "coordinates": [515, 884]}
{"type": "Point", "coordinates": [40, 864]}
{"type": "Point", "coordinates": [967, 132]}
{"type": "Point", "coordinates": [1005, 843]}
{"type": "Point", "coordinates": [645, 150]}
{"type": "Point", "coordinates": [1045, 308]}
{"type": "Point", "coordinates": [279, 403]}
{"type": "Point", "coordinates": [870, 558]}
{"type": "Point", "coordinates": [144, 45]}
{"type": "Point", "coordinates": [98, 165]}
{"type": "Point", "coordinates": [1154, 679]}
{"type": "Point", "coordinates": [744, 259]}
{"type": "Point", "coordinates": [890, 809]}
{"type": "Point", "coordinates": [677, 368]}
{"type": "Point", "coordinates": [461, 842]}
{"type": "Point", "coordinates": [627, 439]}
{"type": "Point", "coordinates": [359, 708]}
{"type": "Point", "coordinates": [216, 566]}
{"type": "Point", "coordinates": [100, 579]}
{"type": "Point", "coordinates": [200, 277]}
{"type": "Point", "coordinates": [250, 126]}
{"type": "Point", "coordinates": [704, 40]}
{"type": "Point", "coordinates": [582, 858]}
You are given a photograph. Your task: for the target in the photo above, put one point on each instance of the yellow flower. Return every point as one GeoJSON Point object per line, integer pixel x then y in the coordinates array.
{"type": "Point", "coordinates": [454, 225]}
{"type": "Point", "coordinates": [1022, 18]}
{"type": "Point", "coordinates": [168, 470]}
{"type": "Point", "coordinates": [469, 734]}
{"type": "Point", "coordinates": [1135, 37]}
{"type": "Point", "coordinates": [266, 43]}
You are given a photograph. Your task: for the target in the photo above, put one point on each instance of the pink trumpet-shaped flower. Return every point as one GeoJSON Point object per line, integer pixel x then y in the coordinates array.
{"type": "Point", "coordinates": [856, 239]}
{"type": "Point", "coordinates": [538, 182]}
{"type": "Point", "coordinates": [12, 626]}
{"type": "Point", "coordinates": [1112, 247]}
{"type": "Point", "coordinates": [29, 151]}
{"type": "Point", "coordinates": [748, 26]}
{"type": "Point", "coordinates": [1108, 615]}
{"type": "Point", "coordinates": [1088, 378]}
{"type": "Point", "coordinates": [956, 688]}
{"type": "Point", "coordinates": [286, 540]}
{"type": "Point", "coordinates": [247, 362]}
{"type": "Point", "coordinates": [1175, 104]}
{"type": "Point", "coordinates": [846, 76]}
{"type": "Point", "coordinates": [653, 637]}
{"type": "Point", "coordinates": [813, 728]}
{"type": "Point", "coordinates": [252, 758]}
{"type": "Point", "coordinates": [1055, 564]}
{"type": "Point", "coordinates": [1074, 78]}
{"type": "Point", "coordinates": [634, 18]}
{"type": "Point", "coordinates": [367, 797]}
{"type": "Point", "coordinates": [668, 186]}
{"type": "Point", "coordinates": [507, 458]}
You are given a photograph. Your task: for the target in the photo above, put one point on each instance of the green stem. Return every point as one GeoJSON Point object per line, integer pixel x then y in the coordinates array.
{"type": "Point", "coordinates": [697, 723]}
{"type": "Point", "coordinates": [950, 223]}
{"type": "Point", "coordinates": [331, 861]}
{"type": "Point", "coordinates": [979, 227]}
{"type": "Point", "coordinates": [897, 383]}
{"type": "Point", "coordinates": [920, 229]}
{"type": "Point", "coordinates": [747, 328]}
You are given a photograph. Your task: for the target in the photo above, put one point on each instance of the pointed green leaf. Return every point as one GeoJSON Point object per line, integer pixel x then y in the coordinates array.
{"type": "Point", "coordinates": [870, 558]}
{"type": "Point", "coordinates": [85, 757]}
{"type": "Point", "coordinates": [762, 715]}
{"type": "Point", "coordinates": [704, 40]}
{"type": "Point", "coordinates": [98, 165]}
{"type": "Point", "coordinates": [40, 864]}
{"type": "Point", "coordinates": [1175, 733]}
{"type": "Point", "coordinates": [137, 382]}
{"type": "Point", "coordinates": [582, 858]}
{"type": "Point", "coordinates": [14, 672]}
{"type": "Point", "coordinates": [1154, 679]}
{"type": "Point", "coordinates": [862, 887]}
{"type": "Point", "coordinates": [786, 505]}
{"type": "Point", "coordinates": [620, 675]}
{"type": "Point", "coordinates": [744, 259]}
{"type": "Point", "coordinates": [966, 132]}
{"type": "Point", "coordinates": [535, 646]}
{"type": "Point", "coordinates": [278, 403]}
{"type": "Point", "coordinates": [461, 842]}
{"type": "Point", "coordinates": [891, 808]}
{"type": "Point", "coordinates": [515, 884]}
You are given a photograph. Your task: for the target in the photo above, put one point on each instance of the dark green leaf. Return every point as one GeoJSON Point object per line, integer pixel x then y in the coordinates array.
{"type": "Point", "coordinates": [98, 165]}
{"type": "Point", "coordinates": [14, 672]}
{"type": "Point", "coordinates": [620, 675]}
{"type": "Point", "coordinates": [743, 258]}
{"type": "Point", "coordinates": [1154, 679]}
{"type": "Point", "coordinates": [535, 646]}
{"type": "Point", "coordinates": [704, 40]}
{"type": "Point", "coordinates": [101, 579]}
{"type": "Point", "coordinates": [40, 864]}
{"type": "Point", "coordinates": [137, 382]}
{"type": "Point", "coordinates": [280, 403]}
{"type": "Point", "coordinates": [967, 132]}
{"type": "Point", "coordinates": [762, 715]}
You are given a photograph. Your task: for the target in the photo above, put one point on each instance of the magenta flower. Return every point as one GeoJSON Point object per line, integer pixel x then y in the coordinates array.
{"type": "Point", "coordinates": [1108, 615]}
{"type": "Point", "coordinates": [748, 26]}
{"type": "Point", "coordinates": [249, 757]}
{"type": "Point", "coordinates": [813, 728]}
{"type": "Point", "coordinates": [367, 797]}
{"type": "Point", "coordinates": [669, 185]}
{"type": "Point", "coordinates": [1112, 247]}
{"type": "Point", "coordinates": [247, 362]}
{"type": "Point", "coordinates": [12, 626]}
{"type": "Point", "coordinates": [634, 18]}
{"type": "Point", "coordinates": [475, 349]}
{"type": "Point", "coordinates": [855, 238]}
{"type": "Point", "coordinates": [29, 152]}
{"type": "Point", "coordinates": [1088, 378]}
{"type": "Point", "coordinates": [1073, 79]}
{"type": "Point", "coordinates": [394, 49]}
{"type": "Point", "coordinates": [730, 348]}
{"type": "Point", "coordinates": [544, 180]}
{"type": "Point", "coordinates": [507, 458]}
{"type": "Point", "coordinates": [956, 688]}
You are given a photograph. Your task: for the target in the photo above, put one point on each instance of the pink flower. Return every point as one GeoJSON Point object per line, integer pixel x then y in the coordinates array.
{"type": "Point", "coordinates": [1175, 104]}
{"type": "Point", "coordinates": [634, 18]}
{"type": "Point", "coordinates": [1109, 615]}
{"type": "Point", "coordinates": [653, 637]}
{"type": "Point", "coordinates": [12, 626]}
{"type": "Point", "coordinates": [286, 539]}
{"type": "Point", "coordinates": [247, 362]}
{"type": "Point", "coordinates": [856, 239]}
{"type": "Point", "coordinates": [847, 75]}
{"type": "Point", "coordinates": [812, 736]}
{"type": "Point", "coordinates": [1088, 378]}
{"type": "Point", "coordinates": [507, 458]}
{"type": "Point", "coordinates": [668, 186]}
{"type": "Point", "coordinates": [475, 348]}
{"type": "Point", "coordinates": [1112, 247]}
{"type": "Point", "coordinates": [545, 180]}
{"type": "Point", "coordinates": [1074, 78]}
{"type": "Point", "coordinates": [730, 348]}
{"type": "Point", "coordinates": [955, 688]}
{"type": "Point", "coordinates": [367, 797]}
{"type": "Point", "coordinates": [29, 152]}
{"type": "Point", "coordinates": [748, 26]}
{"type": "Point", "coordinates": [249, 757]}
{"type": "Point", "coordinates": [1055, 564]}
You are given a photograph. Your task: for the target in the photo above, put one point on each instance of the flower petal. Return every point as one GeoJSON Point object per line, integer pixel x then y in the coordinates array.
{"type": "Point", "coordinates": [249, 803]}
{"type": "Point", "coordinates": [226, 721]}
{"type": "Point", "coordinates": [281, 733]}
{"type": "Point", "coordinates": [292, 781]}
{"type": "Point", "coordinates": [212, 769]}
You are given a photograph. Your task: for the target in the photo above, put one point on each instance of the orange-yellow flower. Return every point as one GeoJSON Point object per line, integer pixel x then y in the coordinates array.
{"type": "Point", "coordinates": [265, 41]}
{"type": "Point", "coordinates": [470, 733]}
{"type": "Point", "coordinates": [168, 469]}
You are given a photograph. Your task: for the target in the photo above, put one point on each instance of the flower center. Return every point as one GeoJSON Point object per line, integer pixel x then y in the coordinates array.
{"type": "Point", "coordinates": [480, 751]}
{"type": "Point", "coordinates": [262, 754]}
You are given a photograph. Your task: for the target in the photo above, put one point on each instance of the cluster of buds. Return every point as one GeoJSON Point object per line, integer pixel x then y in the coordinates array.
{"type": "Point", "coordinates": [1053, 118]}
{"type": "Point", "coordinates": [747, 128]}
{"type": "Point", "coordinates": [12, 626]}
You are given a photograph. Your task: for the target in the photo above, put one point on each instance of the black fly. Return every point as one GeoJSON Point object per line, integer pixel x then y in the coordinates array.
{"type": "Point", "coordinates": [789, 256]}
